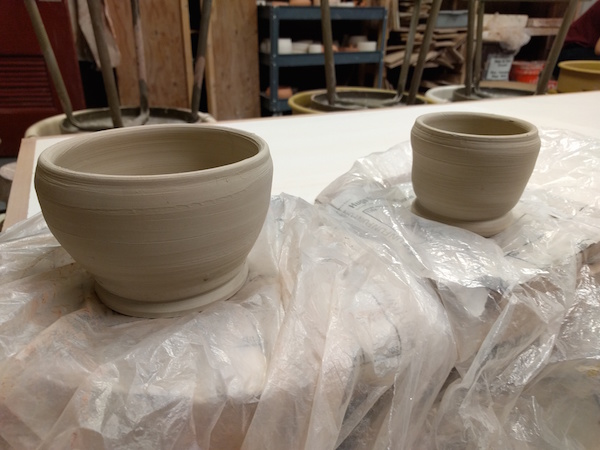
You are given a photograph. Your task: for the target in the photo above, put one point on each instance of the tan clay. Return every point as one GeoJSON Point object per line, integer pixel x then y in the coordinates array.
{"type": "Point", "coordinates": [470, 169]}
{"type": "Point", "coordinates": [162, 216]}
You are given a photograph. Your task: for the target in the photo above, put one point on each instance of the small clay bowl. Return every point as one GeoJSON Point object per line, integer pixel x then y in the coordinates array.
{"type": "Point", "coordinates": [470, 169]}
{"type": "Point", "coordinates": [162, 216]}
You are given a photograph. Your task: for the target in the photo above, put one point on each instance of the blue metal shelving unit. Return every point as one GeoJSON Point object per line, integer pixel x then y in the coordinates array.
{"type": "Point", "coordinates": [275, 14]}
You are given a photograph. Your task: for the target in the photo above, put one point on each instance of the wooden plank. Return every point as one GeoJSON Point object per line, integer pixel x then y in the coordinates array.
{"type": "Point", "coordinates": [232, 72]}
{"type": "Point", "coordinates": [441, 44]}
{"type": "Point", "coordinates": [504, 20]}
{"type": "Point", "coordinates": [449, 35]}
{"type": "Point", "coordinates": [18, 203]}
{"type": "Point", "coordinates": [167, 51]}
{"type": "Point", "coordinates": [542, 31]}
{"type": "Point", "coordinates": [538, 26]}
{"type": "Point", "coordinates": [538, 22]}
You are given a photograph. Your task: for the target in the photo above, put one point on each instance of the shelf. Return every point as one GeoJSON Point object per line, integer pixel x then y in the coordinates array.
{"type": "Point", "coordinates": [276, 16]}
{"type": "Point", "coordinates": [318, 59]}
{"type": "Point", "coordinates": [276, 104]}
{"type": "Point", "coordinates": [314, 13]}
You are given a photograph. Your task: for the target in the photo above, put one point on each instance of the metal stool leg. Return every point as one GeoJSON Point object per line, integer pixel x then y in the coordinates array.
{"type": "Point", "coordinates": [470, 49]}
{"type": "Point", "coordinates": [542, 85]}
{"type": "Point", "coordinates": [418, 72]}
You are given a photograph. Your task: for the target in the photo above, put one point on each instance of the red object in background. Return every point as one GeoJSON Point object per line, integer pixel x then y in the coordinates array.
{"type": "Point", "coordinates": [26, 90]}
{"type": "Point", "coordinates": [526, 71]}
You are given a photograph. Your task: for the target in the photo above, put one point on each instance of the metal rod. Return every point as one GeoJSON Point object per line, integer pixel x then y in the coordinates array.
{"type": "Point", "coordinates": [328, 49]}
{"type": "Point", "coordinates": [141, 63]}
{"type": "Point", "coordinates": [200, 64]}
{"type": "Point", "coordinates": [96, 15]}
{"type": "Point", "coordinates": [478, 46]}
{"type": "Point", "coordinates": [559, 39]}
{"type": "Point", "coordinates": [50, 58]}
{"type": "Point", "coordinates": [410, 43]}
{"type": "Point", "coordinates": [418, 72]}
{"type": "Point", "coordinates": [469, 56]}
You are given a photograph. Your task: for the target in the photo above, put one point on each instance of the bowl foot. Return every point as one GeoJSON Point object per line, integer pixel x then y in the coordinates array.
{"type": "Point", "coordinates": [485, 228]}
{"type": "Point", "coordinates": [172, 308]}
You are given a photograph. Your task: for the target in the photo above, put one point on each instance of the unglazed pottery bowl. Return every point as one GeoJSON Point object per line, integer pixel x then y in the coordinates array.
{"type": "Point", "coordinates": [578, 76]}
{"type": "Point", "coordinates": [470, 169]}
{"type": "Point", "coordinates": [162, 216]}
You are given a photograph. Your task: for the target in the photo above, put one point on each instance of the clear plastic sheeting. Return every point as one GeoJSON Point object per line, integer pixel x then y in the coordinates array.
{"type": "Point", "coordinates": [524, 306]}
{"type": "Point", "coordinates": [361, 326]}
{"type": "Point", "coordinates": [324, 347]}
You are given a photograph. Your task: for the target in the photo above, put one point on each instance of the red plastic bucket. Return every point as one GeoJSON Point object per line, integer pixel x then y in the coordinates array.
{"type": "Point", "coordinates": [526, 71]}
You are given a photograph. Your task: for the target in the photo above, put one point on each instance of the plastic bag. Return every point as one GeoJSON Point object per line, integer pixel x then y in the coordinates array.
{"type": "Point", "coordinates": [361, 326]}
{"type": "Point", "coordinates": [523, 305]}
{"type": "Point", "coordinates": [324, 347]}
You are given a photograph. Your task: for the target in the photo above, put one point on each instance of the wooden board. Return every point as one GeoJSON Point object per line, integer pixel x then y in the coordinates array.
{"type": "Point", "coordinates": [232, 72]}
{"type": "Point", "coordinates": [540, 22]}
{"type": "Point", "coordinates": [543, 26]}
{"type": "Point", "coordinates": [539, 31]}
{"type": "Point", "coordinates": [18, 202]}
{"type": "Point", "coordinates": [505, 20]}
{"type": "Point", "coordinates": [167, 50]}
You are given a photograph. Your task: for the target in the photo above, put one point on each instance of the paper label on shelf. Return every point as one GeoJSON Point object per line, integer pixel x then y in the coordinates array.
{"type": "Point", "coordinates": [497, 67]}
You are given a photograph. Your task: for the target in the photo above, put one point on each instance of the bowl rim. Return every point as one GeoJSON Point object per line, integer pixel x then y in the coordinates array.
{"type": "Point", "coordinates": [531, 129]}
{"type": "Point", "coordinates": [47, 157]}
{"type": "Point", "coordinates": [579, 66]}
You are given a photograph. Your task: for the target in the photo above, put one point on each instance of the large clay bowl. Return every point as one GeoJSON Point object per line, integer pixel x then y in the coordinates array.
{"type": "Point", "coordinates": [471, 167]}
{"type": "Point", "coordinates": [162, 216]}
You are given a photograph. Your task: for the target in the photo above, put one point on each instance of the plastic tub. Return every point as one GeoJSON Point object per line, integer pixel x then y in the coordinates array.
{"type": "Point", "coordinates": [526, 71]}
{"type": "Point", "coordinates": [452, 19]}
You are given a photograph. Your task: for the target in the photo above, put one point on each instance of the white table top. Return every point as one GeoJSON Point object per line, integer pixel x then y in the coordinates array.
{"type": "Point", "coordinates": [310, 151]}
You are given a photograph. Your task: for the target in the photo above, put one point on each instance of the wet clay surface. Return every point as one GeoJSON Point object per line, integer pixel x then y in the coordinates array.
{"type": "Point", "coordinates": [470, 167]}
{"type": "Point", "coordinates": [163, 216]}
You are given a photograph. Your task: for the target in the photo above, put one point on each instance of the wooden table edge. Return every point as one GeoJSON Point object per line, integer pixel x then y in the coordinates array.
{"type": "Point", "coordinates": [18, 201]}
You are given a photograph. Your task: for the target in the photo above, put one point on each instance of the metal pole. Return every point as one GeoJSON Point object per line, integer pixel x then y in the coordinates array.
{"type": "Point", "coordinates": [141, 63]}
{"type": "Point", "coordinates": [96, 14]}
{"type": "Point", "coordinates": [410, 41]}
{"type": "Point", "coordinates": [542, 85]}
{"type": "Point", "coordinates": [470, 37]}
{"type": "Point", "coordinates": [200, 64]}
{"type": "Point", "coordinates": [418, 72]}
{"type": "Point", "coordinates": [50, 58]}
{"type": "Point", "coordinates": [478, 46]}
{"type": "Point", "coordinates": [328, 49]}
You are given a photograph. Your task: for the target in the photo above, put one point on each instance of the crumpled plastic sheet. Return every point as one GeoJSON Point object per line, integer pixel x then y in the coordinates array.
{"type": "Point", "coordinates": [524, 305]}
{"type": "Point", "coordinates": [322, 348]}
{"type": "Point", "coordinates": [361, 326]}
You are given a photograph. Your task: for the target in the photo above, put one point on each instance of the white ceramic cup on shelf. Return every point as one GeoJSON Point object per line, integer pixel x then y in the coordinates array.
{"type": "Point", "coordinates": [315, 48]}
{"type": "Point", "coordinates": [367, 46]}
{"type": "Point", "coordinates": [300, 47]}
{"type": "Point", "coordinates": [284, 46]}
{"type": "Point", "coordinates": [354, 40]}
